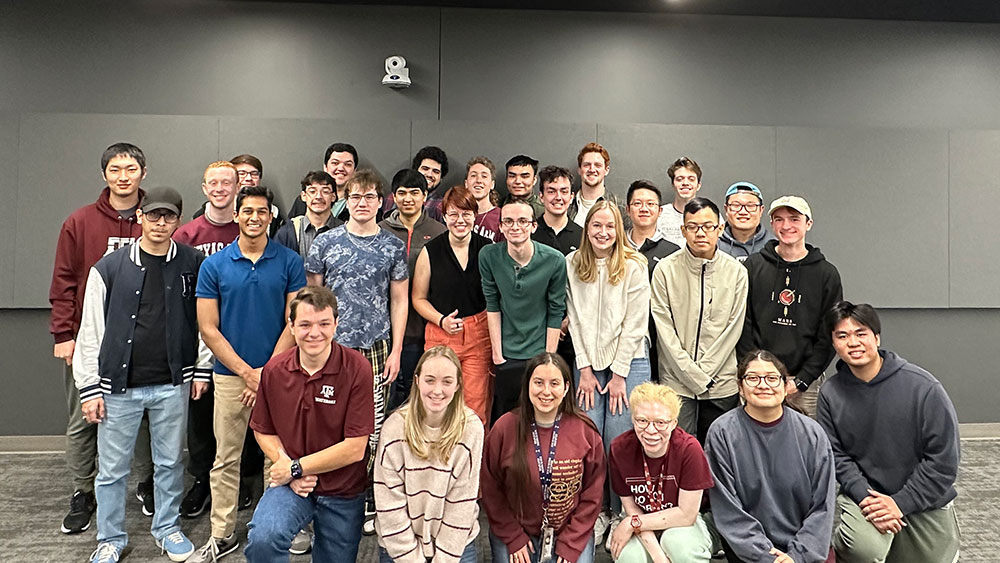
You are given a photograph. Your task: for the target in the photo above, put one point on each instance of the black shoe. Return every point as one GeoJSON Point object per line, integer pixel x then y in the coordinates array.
{"type": "Point", "coordinates": [197, 500]}
{"type": "Point", "coordinates": [81, 508]}
{"type": "Point", "coordinates": [144, 493]}
{"type": "Point", "coordinates": [246, 499]}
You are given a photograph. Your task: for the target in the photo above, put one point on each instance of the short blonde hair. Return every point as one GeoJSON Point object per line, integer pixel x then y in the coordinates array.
{"type": "Point", "coordinates": [656, 393]}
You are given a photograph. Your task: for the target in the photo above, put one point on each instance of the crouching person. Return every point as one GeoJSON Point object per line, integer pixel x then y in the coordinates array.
{"type": "Point", "coordinates": [312, 419]}
{"type": "Point", "coordinates": [137, 351]}
{"type": "Point", "coordinates": [661, 473]}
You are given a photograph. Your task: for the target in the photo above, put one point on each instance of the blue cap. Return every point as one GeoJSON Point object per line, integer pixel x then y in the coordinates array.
{"type": "Point", "coordinates": [744, 187]}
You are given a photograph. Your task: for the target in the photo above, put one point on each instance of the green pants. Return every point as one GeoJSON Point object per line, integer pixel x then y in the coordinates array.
{"type": "Point", "coordinates": [928, 536]}
{"type": "Point", "coordinates": [691, 544]}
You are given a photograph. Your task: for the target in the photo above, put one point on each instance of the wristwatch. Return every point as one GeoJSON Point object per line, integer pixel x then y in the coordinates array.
{"type": "Point", "coordinates": [296, 469]}
{"type": "Point", "coordinates": [802, 386]}
{"type": "Point", "coordinates": [636, 524]}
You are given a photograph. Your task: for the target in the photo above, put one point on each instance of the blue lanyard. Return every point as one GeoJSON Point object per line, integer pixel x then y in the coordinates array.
{"type": "Point", "coordinates": [545, 473]}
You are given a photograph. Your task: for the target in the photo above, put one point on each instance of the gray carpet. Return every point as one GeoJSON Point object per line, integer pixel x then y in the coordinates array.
{"type": "Point", "coordinates": [34, 497]}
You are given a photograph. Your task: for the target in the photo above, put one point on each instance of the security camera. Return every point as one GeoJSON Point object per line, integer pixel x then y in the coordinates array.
{"type": "Point", "coordinates": [396, 73]}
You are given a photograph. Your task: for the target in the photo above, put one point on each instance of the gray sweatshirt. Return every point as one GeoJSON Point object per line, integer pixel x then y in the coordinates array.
{"type": "Point", "coordinates": [774, 486]}
{"type": "Point", "coordinates": [897, 434]}
{"type": "Point", "coordinates": [741, 250]}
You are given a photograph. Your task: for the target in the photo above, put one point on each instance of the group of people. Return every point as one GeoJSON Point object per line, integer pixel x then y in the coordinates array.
{"type": "Point", "coordinates": [648, 368]}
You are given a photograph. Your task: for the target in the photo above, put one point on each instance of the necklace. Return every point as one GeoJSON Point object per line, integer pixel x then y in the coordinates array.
{"type": "Point", "coordinates": [365, 243]}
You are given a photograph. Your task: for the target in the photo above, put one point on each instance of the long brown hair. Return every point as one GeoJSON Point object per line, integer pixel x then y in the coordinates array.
{"type": "Point", "coordinates": [519, 470]}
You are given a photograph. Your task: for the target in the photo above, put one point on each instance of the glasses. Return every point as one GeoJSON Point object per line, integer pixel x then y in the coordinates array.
{"type": "Point", "coordinates": [771, 380]}
{"type": "Point", "coordinates": [642, 423]}
{"type": "Point", "coordinates": [692, 228]}
{"type": "Point", "coordinates": [313, 192]}
{"type": "Point", "coordinates": [356, 198]}
{"type": "Point", "coordinates": [252, 173]}
{"type": "Point", "coordinates": [520, 222]}
{"type": "Point", "coordinates": [640, 204]}
{"type": "Point", "coordinates": [465, 216]}
{"type": "Point", "coordinates": [157, 214]}
{"type": "Point", "coordinates": [750, 207]}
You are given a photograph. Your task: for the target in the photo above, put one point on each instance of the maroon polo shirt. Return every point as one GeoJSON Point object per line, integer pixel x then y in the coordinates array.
{"type": "Point", "coordinates": [309, 413]}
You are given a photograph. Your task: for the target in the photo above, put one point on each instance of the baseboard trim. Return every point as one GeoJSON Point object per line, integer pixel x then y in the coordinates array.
{"type": "Point", "coordinates": [57, 444]}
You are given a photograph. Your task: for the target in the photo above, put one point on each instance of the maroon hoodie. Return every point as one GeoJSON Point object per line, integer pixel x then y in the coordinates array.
{"type": "Point", "coordinates": [87, 234]}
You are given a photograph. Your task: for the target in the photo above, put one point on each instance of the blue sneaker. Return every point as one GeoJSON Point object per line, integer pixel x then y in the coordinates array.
{"type": "Point", "coordinates": [106, 552]}
{"type": "Point", "coordinates": [176, 546]}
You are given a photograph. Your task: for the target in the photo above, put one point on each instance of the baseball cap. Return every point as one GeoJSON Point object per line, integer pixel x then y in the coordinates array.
{"type": "Point", "coordinates": [792, 202]}
{"type": "Point", "coordinates": [744, 187]}
{"type": "Point", "coordinates": [162, 198]}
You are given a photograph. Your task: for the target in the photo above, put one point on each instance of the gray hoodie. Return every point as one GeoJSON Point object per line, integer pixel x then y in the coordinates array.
{"type": "Point", "coordinates": [741, 250]}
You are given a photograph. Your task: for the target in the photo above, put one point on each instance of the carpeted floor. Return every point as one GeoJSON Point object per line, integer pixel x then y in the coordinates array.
{"type": "Point", "coordinates": [34, 497]}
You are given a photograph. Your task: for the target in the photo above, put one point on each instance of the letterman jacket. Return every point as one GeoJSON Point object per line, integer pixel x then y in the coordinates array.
{"type": "Point", "coordinates": [104, 344]}
{"type": "Point", "coordinates": [698, 306]}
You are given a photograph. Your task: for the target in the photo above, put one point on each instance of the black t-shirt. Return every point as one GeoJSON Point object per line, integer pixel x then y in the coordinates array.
{"type": "Point", "coordinates": [566, 241]}
{"type": "Point", "coordinates": [149, 364]}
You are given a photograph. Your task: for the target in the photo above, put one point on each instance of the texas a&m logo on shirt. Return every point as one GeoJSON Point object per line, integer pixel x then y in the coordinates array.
{"type": "Point", "coordinates": [326, 395]}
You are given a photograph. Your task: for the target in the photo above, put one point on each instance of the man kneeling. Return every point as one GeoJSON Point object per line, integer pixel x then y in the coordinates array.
{"type": "Point", "coordinates": [312, 419]}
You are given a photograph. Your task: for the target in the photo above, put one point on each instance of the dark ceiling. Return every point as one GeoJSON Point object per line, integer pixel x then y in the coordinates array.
{"type": "Point", "coordinates": [975, 11]}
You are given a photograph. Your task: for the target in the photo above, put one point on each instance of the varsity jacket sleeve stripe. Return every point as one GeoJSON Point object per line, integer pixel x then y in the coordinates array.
{"type": "Point", "coordinates": [203, 366]}
{"type": "Point", "coordinates": [88, 340]}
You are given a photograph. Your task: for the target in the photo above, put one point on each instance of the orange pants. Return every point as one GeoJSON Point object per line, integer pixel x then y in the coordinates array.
{"type": "Point", "coordinates": [472, 346]}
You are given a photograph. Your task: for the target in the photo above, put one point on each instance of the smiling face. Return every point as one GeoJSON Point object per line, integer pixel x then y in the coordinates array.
{"type": "Point", "coordinates": [686, 183]}
{"type": "Point", "coordinates": [437, 384]}
{"type": "Point", "coordinates": [459, 221]}
{"type": "Point", "coordinates": [318, 197]}
{"type": "Point", "coordinates": [341, 166]}
{"type": "Point", "coordinates": [520, 180]}
{"type": "Point", "coordinates": [743, 211]}
{"type": "Point", "coordinates": [219, 186]}
{"type": "Point", "coordinates": [546, 389]}
{"type": "Point", "coordinates": [253, 217]}
{"type": "Point", "coordinates": [855, 343]}
{"type": "Point", "coordinates": [313, 330]}
{"type": "Point", "coordinates": [790, 226]}
{"type": "Point", "coordinates": [556, 196]}
{"type": "Point", "coordinates": [601, 232]}
{"type": "Point", "coordinates": [654, 440]}
{"type": "Point", "coordinates": [248, 175]}
{"type": "Point", "coordinates": [593, 169]}
{"type": "Point", "coordinates": [479, 181]}
{"type": "Point", "coordinates": [123, 175]}
{"type": "Point", "coordinates": [409, 201]}
{"type": "Point", "coordinates": [644, 208]}
{"type": "Point", "coordinates": [763, 396]}
{"type": "Point", "coordinates": [701, 231]}
{"type": "Point", "coordinates": [431, 170]}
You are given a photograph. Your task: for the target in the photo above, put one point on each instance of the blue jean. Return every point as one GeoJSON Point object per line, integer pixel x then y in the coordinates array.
{"type": "Point", "coordinates": [501, 554]}
{"type": "Point", "coordinates": [470, 555]}
{"type": "Point", "coordinates": [167, 407]}
{"type": "Point", "coordinates": [280, 515]}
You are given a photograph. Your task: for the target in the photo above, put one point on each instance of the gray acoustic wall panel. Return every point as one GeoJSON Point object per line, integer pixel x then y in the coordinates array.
{"type": "Point", "coordinates": [34, 398]}
{"type": "Point", "coordinates": [974, 191]}
{"type": "Point", "coordinates": [289, 148]}
{"type": "Point", "coordinates": [725, 155]}
{"type": "Point", "coordinates": [274, 59]}
{"type": "Point", "coordinates": [8, 211]}
{"type": "Point", "coordinates": [60, 170]}
{"type": "Point", "coordinates": [549, 143]}
{"type": "Point", "coordinates": [880, 202]}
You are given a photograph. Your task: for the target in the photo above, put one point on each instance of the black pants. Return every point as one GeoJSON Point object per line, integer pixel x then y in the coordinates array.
{"type": "Point", "coordinates": [507, 387]}
{"type": "Point", "coordinates": [200, 435]}
{"type": "Point", "coordinates": [696, 415]}
{"type": "Point", "coordinates": [399, 391]}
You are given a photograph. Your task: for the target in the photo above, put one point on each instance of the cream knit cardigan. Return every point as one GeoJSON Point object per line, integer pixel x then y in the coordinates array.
{"type": "Point", "coordinates": [608, 323]}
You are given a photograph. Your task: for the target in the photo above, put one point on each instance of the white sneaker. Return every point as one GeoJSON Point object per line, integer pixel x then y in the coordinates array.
{"type": "Point", "coordinates": [601, 527]}
{"type": "Point", "coordinates": [615, 521]}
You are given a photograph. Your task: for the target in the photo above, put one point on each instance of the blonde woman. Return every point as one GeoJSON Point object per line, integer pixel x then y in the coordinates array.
{"type": "Point", "coordinates": [608, 309]}
{"type": "Point", "coordinates": [428, 466]}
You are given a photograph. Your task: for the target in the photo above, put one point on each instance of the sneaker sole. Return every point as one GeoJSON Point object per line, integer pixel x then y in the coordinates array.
{"type": "Point", "coordinates": [146, 514]}
{"type": "Point", "coordinates": [228, 551]}
{"type": "Point", "coordinates": [179, 558]}
{"type": "Point", "coordinates": [66, 530]}
{"type": "Point", "coordinates": [299, 551]}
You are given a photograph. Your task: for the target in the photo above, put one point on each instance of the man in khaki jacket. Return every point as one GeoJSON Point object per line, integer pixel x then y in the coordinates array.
{"type": "Point", "coordinates": [699, 299]}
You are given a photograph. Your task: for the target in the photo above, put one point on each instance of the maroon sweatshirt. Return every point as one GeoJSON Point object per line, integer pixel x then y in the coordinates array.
{"type": "Point", "coordinates": [87, 234]}
{"type": "Point", "coordinates": [578, 477]}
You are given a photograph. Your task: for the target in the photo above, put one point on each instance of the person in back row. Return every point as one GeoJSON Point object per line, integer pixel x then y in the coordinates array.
{"type": "Point", "coordinates": [480, 179]}
{"type": "Point", "coordinates": [685, 176]}
{"type": "Point", "coordinates": [432, 162]}
{"type": "Point", "coordinates": [896, 444]}
{"type": "Point", "coordinates": [554, 226]}
{"type": "Point", "coordinates": [744, 235]}
{"type": "Point", "coordinates": [522, 173]}
{"type": "Point", "coordinates": [792, 286]}
{"type": "Point", "coordinates": [318, 192]}
{"type": "Point", "coordinates": [594, 166]}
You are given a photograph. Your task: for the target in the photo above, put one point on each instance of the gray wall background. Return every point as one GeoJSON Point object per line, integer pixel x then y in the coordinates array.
{"type": "Point", "coordinates": [890, 129]}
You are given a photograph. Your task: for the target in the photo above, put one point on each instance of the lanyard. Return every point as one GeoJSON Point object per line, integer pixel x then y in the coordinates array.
{"type": "Point", "coordinates": [545, 473]}
{"type": "Point", "coordinates": [655, 495]}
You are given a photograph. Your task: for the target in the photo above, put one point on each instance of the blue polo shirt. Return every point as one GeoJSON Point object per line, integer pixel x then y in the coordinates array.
{"type": "Point", "coordinates": [251, 297]}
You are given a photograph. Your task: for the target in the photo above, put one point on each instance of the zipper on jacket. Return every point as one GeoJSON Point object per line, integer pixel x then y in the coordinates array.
{"type": "Point", "coordinates": [701, 314]}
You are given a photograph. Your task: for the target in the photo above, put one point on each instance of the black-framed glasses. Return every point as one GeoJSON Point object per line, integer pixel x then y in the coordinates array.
{"type": "Point", "coordinates": [750, 207]}
{"type": "Point", "coordinates": [642, 423]}
{"type": "Point", "coordinates": [157, 214]}
{"type": "Point", "coordinates": [252, 173]}
{"type": "Point", "coordinates": [520, 222]}
{"type": "Point", "coordinates": [707, 228]}
{"type": "Point", "coordinates": [772, 380]}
